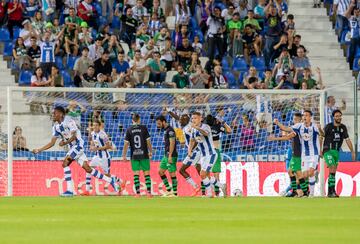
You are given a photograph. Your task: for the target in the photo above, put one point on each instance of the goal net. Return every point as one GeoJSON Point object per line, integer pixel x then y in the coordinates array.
{"type": "Point", "coordinates": [250, 163]}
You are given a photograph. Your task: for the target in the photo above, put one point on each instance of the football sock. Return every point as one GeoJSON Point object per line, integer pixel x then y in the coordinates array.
{"type": "Point", "coordinates": [303, 185]}
{"type": "Point", "coordinates": [67, 177]}
{"type": "Point", "coordinates": [148, 183]}
{"type": "Point", "coordinates": [202, 188]}
{"type": "Point", "coordinates": [312, 184]}
{"type": "Point", "coordinates": [191, 182]}
{"type": "Point", "coordinates": [174, 185]}
{"type": "Point", "coordinates": [331, 183]}
{"type": "Point", "coordinates": [88, 181]}
{"type": "Point", "coordinates": [137, 184]}
{"type": "Point", "coordinates": [214, 181]}
{"type": "Point", "coordinates": [207, 185]}
{"type": "Point", "coordinates": [293, 183]}
{"type": "Point", "coordinates": [166, 182]}
{"type": "Point", "coordinates": [100, 176]}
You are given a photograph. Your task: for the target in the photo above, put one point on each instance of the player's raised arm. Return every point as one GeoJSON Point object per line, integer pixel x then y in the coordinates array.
{"type": "Point", "coordinates": [282, 138]}
{"type": "Point", "coordinates": [47, 146]}
{"type": "Point", "coordinates": [281, 126]}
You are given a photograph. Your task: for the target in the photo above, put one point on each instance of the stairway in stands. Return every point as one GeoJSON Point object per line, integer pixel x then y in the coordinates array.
{"type": "Point", "coordinates": [324, 51]}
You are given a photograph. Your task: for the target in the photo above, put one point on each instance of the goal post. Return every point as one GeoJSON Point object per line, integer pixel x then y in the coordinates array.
{"type": "Point", "coordinates": [246, 152]}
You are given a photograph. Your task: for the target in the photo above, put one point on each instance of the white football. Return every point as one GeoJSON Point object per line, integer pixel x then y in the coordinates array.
{"type": "Point", "coordinates": [237, 193]}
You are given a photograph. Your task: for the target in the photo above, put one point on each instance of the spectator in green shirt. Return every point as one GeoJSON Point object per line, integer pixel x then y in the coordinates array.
{"type": "Point", "coordinates": [157, 69]}
{"type": "Point", "coordinates": [311, 83]}
{"type": "Point", "coordinates": [252, 21]}
{"type": "Point", "coordinates": [180, 80]}
{"type": "Point", "coordinates": [236, 44]}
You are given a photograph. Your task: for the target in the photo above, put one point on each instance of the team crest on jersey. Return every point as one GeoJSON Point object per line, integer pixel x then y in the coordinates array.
{"type": "Point", "coordinates": [306, 136]}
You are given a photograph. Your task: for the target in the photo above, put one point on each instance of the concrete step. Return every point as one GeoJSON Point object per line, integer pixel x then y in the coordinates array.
{"type": "Point", "coordinates": [315, 36]}
{"type": "Point", "coordinates": [319, 26]}
{"type": "Point", "coordinates": [306, 11]}
{"type": "Point", "coordinates": [312, 44]}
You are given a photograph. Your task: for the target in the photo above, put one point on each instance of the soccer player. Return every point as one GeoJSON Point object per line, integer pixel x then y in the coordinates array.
{"type": "Point", "coordinates": [137, 136]}
{"type": "Point", "coordinates": [310, 146]}
{"type": "Point", "coordinates": [100, 144]}
{"type": "Point", "coordinates": [217, 126]}
{"type": "Point", "coordinates": [335, 134]}
{"type": "Point", "coordinates": [168, 162]}
{"type": "Point", "coordinates": [67, 131]}
{"type": "Point", "coordinates": [295, 162]}
{"type": "Point", "coordinates": [201, 134]}
{"type": "Point", "coordinates": [194, 160]}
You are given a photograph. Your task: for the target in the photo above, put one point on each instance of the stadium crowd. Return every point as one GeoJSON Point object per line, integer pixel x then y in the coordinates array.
{"type": "Point", "coordinates": [164, 44]}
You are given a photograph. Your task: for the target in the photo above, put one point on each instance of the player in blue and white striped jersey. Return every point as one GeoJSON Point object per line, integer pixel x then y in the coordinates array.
{"type": "Point", "coordinates": [100, 144]}
{"type": "Point", "coordinates": [70, 136]}
{"type": "Point", "coordinates": [194, 160]}
{"type": "Point", "coordinates": [201, 134]}
{"type": "Point", "coordinates": [309, 134]}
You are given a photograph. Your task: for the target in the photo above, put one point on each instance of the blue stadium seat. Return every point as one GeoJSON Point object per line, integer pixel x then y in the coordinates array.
{"type": "Point", "coordinates": [59, 63]}
{"type": "Point", "coordinates": [102, 21]}
{"type": "Point", "coordinates": [14, 66]}
{"type": "Point", "coordinates": [357, 52]}
{"type": "Point", "coordinates": [241, 77]}
{"type": "Point", "coordinates": [116, 24]}
{"type": "Point", "coordinates": [258, 63]}
{"type": "Point", "coordinates": [16, 32]}
{"type": "Point", "coordinates": [231, 79]}
{"type": "Point", "coordinates": [240, 64]}
{"type": "Point", "coordinates": [25, 78]}
{"type": "Point", "coordinates": [98, 8]}
{"type": "Point", "coordinates": [4, 35]}
{"type": "Point", "coordinates": [67, 78]}
{"type": "Point", "coordinates": [200, 35]}
{"type": "Point", "coordinates": [8, 47]}
{"type": "Point", "coordinates": [70, 62]}
{"type": "Point", "coordinates": [225, 65]}
{"type": "Point", "coordinates": [356, 66]}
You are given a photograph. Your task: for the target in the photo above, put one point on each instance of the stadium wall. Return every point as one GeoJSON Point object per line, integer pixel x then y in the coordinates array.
{"type": "Point", "coordinates": [45, 178]}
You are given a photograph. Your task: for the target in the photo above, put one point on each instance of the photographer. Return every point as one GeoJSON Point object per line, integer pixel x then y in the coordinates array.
{"type": "Point", "coordinates": [216, 25]}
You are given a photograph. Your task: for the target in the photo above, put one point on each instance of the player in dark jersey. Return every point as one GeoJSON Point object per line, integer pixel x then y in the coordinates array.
{"type": "Point", "coordinates": [137, 136]}
{"type": "Point", "coordinates": [168, 162]}
{"type": "Point", "coordinates": [217, 126]}
{"type": "Point", "coordinates": [295, 162]}
{"type": "Point", "coordinates": [335, 134]}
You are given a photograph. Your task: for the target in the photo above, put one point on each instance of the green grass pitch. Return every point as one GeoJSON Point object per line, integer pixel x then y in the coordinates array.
{"type": "Point", "coordinates": [178, 220]}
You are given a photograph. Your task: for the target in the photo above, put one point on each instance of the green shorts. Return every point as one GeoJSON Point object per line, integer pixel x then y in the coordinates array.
{"type": "Point", "coordinates": [295, 164]}
{"type": "Point", "coordinates": [331, 158]}
{"type": "Point", "coordinates": [140, 164]}
{"type": "Point", "coordinates": [171, 167]}
{"type": "Point", "coordinates": [217, 165]}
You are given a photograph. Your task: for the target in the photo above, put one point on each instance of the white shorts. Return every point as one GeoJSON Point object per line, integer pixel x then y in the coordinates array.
{"type": "Point", "coordinates": [77, 153]}
{"type": "Point", "coordinates": [103, 163]}
{"type": "Point", "coordinates": [194, 159]}
{"type": "Point", "coordinates": [309, 162]}
{"type": "Point", "coordinates": [208, 162]}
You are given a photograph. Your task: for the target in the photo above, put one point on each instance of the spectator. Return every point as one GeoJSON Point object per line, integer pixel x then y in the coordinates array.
{"type": "Point", "coordinates": [20, 55]}
{"type": "Point", "coordinates": [218, 80]}
{"type": "Point", "coordinates": [310, 82]}
{"type": "Point", "coordinates": [210, 64]}
{"type": "Point", "coordinates": [107, 8]}
{"type": "Point", "coordinates": [289, 27]}
{"type": "Point", "coordinates": [114, 48]}
{"type": "Point", "coordinates": [180, 80]}
{"type": "Point", "coordinates": [15, 11]}
{"type": "Point", "coordinates": [121, 65]}
{"type": "Point", "coordinates": [139, 10]}
{"type": "Point", "coordinates": [68, 4]}
{"type": "Point", "coordinates": [247, 134]}
{"type": "Point", "coordinates": [160, 38]}
{"type": "Point", "coordinates": [138, 68]}
{"type": "Point", "coordinates": [129, 26]}
{"type": "Point", "coordinates": [96, 49]}
{"type": "Point", "coordinates": [197, 45]}
{"type": "Point", "coordinates": [180, 35]}
{"type": "Point", "coordinates": [142, 36]}
{"type": "Point", "coordinates": [157, 69]}
{"type": "Point", "coordinates": [55, 78]}
{"type": "Point", "coordinates": [81, 66]}
{"type": "Point", "coordinates": [252, 21]}
{"type": "Point", "coordinates": [184, 52]}
{"type": "Point", "coordinates": [330, 107]}
{"type": "Point", "coordinates": [339, 9]}
{"type": "Point", "coordinates": [34, 53]}
{"type": "Point", "coordinates": [38, 24]}
{"type": "Point", "coordinates": [72, 23]}
{"type": "Point", "coordinates": [38, 78]}
{"type": "Point", "coordinates": [252, 43]}
{"type": "Point", "coordinates": [157, 9]}
{"type": "Point", "coordinates": [27, 32]}
{"type": "Point", "coordinates": [273, 27]}
{"type": "Point", "coordinates": [88, 13]}
{"type": "Point", "coordinates": [84, 37]}
{"type": "Point", "coordinates": [154, 24]}
{"type": "Point", "coordinates": [89, 77]}
{"type": "Point", "coordinates": [280, 46]}
{"type": "Point", "coordinates": [19, 141]}
{"type": "Point", "coordinates": [252, 80]}
{"type": "Point", "coordinates": [354, 30]}
{"type": "Point", "coordinates": [284, 64]}
{"type": "Point", "coordinates": [126, 81]}
{"type": "Point", "coordinates": [234, 26]}
{"type": "Point", "coordinates": [168, 54]}
{"type": "Point", "coordinates": [3, 15]}
{"type": "Point", "coordinates": [301, 61]}
{"type": "Point", "coordinates": [228, 12]}
{"type": "Point", "coordinates": [148, 50]}
{"type": "Point", "coordinates": [103, 66]}
{"type": "Point", "coordinates": [47, 47]}
{"type": "Point", "coordinates": [217, 27]}
{"type": "Point", "coordinates": [74, 111]}
{"type": "Point", "coordinates": [182, 13]}
{"type": "Point", "coordinates": [191, 68]}
{"type": "Point", "coordinates": [294, 44]}
{"type": "Point", "coordinates": [259, 12]}
{"type": "Point", "coordinates": [199, 79]}
{"type": "Point", "coordinates": [48, 9]}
